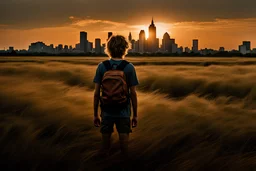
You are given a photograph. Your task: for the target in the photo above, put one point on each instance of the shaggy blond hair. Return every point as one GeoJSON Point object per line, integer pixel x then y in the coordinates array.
{"type": "Point", "coordinates": [117, 46]}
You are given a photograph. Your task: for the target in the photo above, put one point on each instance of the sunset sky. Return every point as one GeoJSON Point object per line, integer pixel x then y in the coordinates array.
{"type": "Point", "coordinates": [214, 22]}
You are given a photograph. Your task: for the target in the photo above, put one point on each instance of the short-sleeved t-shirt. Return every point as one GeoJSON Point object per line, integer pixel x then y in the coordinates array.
{"type": "Point", "coordinates": [131, 79]}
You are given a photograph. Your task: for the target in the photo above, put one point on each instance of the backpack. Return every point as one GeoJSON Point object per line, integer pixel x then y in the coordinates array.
{"type": "Point", "coordinates": [114, 87]}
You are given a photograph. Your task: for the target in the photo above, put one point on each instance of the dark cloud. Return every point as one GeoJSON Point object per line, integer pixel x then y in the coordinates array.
{"type": "Point", "coordinates": [45, 13]}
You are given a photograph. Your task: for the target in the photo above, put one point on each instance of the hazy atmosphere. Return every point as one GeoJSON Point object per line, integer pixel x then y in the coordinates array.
{"type": "Point", "coordinates": [185, 100]}
{"type": "Point", "coordinates": [215, 23]}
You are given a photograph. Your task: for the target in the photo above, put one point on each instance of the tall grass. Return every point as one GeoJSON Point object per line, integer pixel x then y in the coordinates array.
{"type": "Point", "coordinates": [190, 118]}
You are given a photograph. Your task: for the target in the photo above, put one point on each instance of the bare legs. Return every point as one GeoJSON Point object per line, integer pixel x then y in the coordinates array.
{"type": "Point", "coordinates": [123, 140]}
{"type": "Point", "coordinates": [106, 142]}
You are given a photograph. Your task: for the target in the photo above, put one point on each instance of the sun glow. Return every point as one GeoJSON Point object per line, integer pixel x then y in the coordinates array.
{"type": "Point", "coordinates": [161, 28]}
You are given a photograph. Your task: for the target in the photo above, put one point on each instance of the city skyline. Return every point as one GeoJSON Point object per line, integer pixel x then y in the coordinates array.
{"type": "Point", "coordinates": [144, 44]}
{"type": "Point", "coordinates": [214, 23]}
{"type": "Point", "coordinates": [102, 35]}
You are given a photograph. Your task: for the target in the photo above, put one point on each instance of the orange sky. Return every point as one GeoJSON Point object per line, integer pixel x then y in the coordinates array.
{"type": "Point", "coordinates": [221, 32]}
{"type": "Point", "coordinates": [214, 22]}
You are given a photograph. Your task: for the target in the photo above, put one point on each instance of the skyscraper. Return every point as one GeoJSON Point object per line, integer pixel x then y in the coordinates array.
{"type": "Point", "coordinates": [97, 46]}
{"type": "Point", "coordinates": [109, 35]}
{"type": "Point", "coordinates": [83, 41]}
{"type": "Point", "coordinates": [174, 46]}
{"type": "Point", "coordinates": [195, 46]}
{"type": "Point", "coordinates": [130, 37]}
{"type": "Point", "coordinates": [152, 45]}
{"type": "Point", "coordinates": [142, 41]}
{"type": "Point", "coordinates": [247, 44]}
{"type": "Point", "coordinates": [166, 43]}
{"type": "Point", "coordinates": [243, 49]}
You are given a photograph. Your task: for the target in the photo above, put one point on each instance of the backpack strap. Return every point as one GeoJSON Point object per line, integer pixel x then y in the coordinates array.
{"type": "Point", "coordinates": [122, 65]}
{"type": "Point", "coordinates": [107, 65]}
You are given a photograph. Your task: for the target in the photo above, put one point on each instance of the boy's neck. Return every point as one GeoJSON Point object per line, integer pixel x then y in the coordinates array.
{"type": "Point", "coordinates": [117, 59]}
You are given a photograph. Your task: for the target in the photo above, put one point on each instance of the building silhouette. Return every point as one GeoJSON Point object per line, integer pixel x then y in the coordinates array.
{"type": "Point", "coordinates": [242, 49]}
{"type": "Point", "coordinates": [83, 41]}
{"type": "Point", "coordinates": [166, 43]}
{"type": "Point", "coordinates": [247, 44]}
{"type": "Point", "coordinates": [77, 46]}
{"type": "Point", "coordinates": [60, 48]}
{"type": "Point", "coordinates": [142, 41]}
{"type": "Point", "coordinates": [221, 49]}
{"type": "Point", "coordinates": [152, 41]}
{"type": "Point", "coordinates": [130, 37]}
{"type": "Point", "coordinates": [98, 49]}
{"type": "Point", "coordinates": [90, 46]}
{"type": "Point", "coordinates": [187, 50]}
{"type": "Point", "coordinates": [195, 46]}
{"type": "Point", "coordinates": [109, 35]}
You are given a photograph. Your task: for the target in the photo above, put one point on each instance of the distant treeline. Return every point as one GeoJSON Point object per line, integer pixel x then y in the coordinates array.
{"type": "Point", "coordinates": [158, 54]}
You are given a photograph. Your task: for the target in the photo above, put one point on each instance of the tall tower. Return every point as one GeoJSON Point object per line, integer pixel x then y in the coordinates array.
{"type": "Point", "coordinates": [195, 46]}
{"type": "Point", "coordinates": [109, 35]}
{"type": "Point", "coordinates": [152, 45]}
{"type": "Point", "coordinates": [142, 41]}
{"type": "Point", "coordinates": [166, 43]}
{"type": "Point", "coordinates": [83, 41]}
{"type": "Point", "coordinates": [130, 37]}
{"type": "Point", "coordinates": [97, 46]}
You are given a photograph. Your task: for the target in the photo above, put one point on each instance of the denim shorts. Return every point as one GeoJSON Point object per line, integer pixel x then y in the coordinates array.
{"type": "Point", "coordinates": [123, 125]}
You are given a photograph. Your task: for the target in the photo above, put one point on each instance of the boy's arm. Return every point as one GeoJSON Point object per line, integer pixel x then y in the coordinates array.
{"type": "Point", "coordinates": [96, 104]}
{"type": "Point", "coordinates": [134, 105]}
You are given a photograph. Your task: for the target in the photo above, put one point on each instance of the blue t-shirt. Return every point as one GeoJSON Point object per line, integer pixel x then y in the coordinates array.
{"type": "Point", "coordinates": [131, 79]}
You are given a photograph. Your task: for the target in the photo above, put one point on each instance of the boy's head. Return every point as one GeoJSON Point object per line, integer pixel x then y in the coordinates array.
{"type": "Point", "coordinates": [117, 46]}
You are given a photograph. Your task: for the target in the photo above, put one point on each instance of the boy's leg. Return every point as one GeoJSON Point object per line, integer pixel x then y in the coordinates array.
{"type": "Point", "coordinates": [107, 125]}
{"type": "Point", "coordinates": [124, 141]}
{"type": "Point", "coordinates": [106, 143]}
{"type": "Point", "coordinates": [123, 126]}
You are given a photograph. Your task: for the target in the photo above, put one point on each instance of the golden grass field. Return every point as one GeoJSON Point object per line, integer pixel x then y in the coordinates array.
{"type": "Point", "coordinates": [194, 114]}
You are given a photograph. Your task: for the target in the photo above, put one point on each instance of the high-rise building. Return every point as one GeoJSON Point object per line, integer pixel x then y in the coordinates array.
{"type": "Point", "coordinates": [133, 44]}
{"type": "Point", "coordinates": [151, 42]}
{"type": "Point", "coordinates": [137, 44]}
{"type": "Point", "coordinates": [247, 44]}
{"type": "Point", "coordinates": [90, 46]}
{"type": "Point", "coordinates": [98, 46]}
{"type": "Point", "coordinates": [195, 46]}
{"type": "Point", "coordinates": [109, 35]}
{"type": "Point", "coordinates": [142, 41]}
{"type": "Point", "coordinates": [157, 44]}
{"type": "Point", "coordinates": [166, 43]}
{"type": "Point", "coordinates": [83, 41]}
{"type": "Point", "coordinates": [130, 37]}
{"type": "Point", "coordinates": [174, 46]}
{"type": "Point", "coordinates": [243, 49]}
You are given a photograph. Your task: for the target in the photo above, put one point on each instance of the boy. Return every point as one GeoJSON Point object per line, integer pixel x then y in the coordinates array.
{"type": "Point", "coordinates": [117, 79]}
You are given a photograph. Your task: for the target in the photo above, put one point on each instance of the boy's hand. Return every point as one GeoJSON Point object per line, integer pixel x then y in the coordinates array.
{"type": "Point", "coordinates": [134, 122]}
{"type": "Point", "coordinates": [96, 121]}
